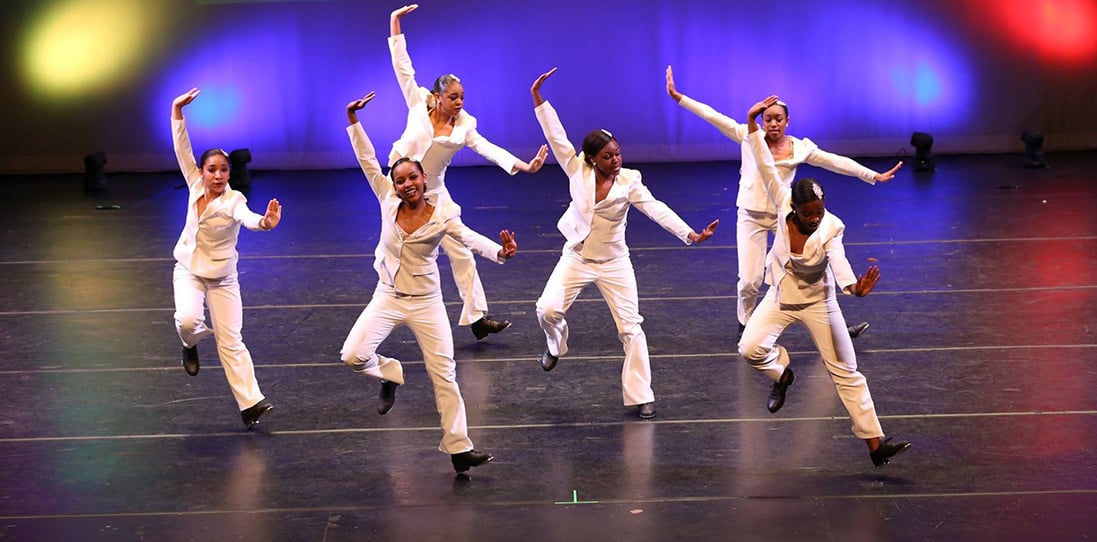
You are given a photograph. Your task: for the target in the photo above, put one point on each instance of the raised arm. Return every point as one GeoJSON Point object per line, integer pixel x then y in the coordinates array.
{"type": "Point", "coordinates": [363, 149]}
{"type": "Point", "coordinates": [401, 61]}
{"type": "Point", "coordinates": [184, 153]}
{"type": "Point", "coordinates": [727, 125]}
{"type": "Point", "coordinates": [775, 189]}
{"type": "Point", "coordinates": [553, 129]}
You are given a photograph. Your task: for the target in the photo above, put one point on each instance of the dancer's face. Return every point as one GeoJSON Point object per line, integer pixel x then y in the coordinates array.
{"type": "Point", "coordinates": [810, 214]}
{"type": "Point", "coordinates": [775, 120]}
{"type": "Point", "coordinates": [452, 99]}
{"type": "Point", "coordinates": [608, 160]}
{"type": "Point", "coordinates": [408, 182]}
{"type": "Point", "coordinates": [215, 173]}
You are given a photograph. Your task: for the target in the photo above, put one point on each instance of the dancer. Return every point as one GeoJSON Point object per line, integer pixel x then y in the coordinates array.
{"type": "Point", "coordinates": [437, 122]}
{"type": "Point", "coordinates": [756, 215]}
{"type": "Point", "coordinates": [595, 250]}
{"type": "Point", "coordinates": [806, 263]}
{"type": "Point", "coordinates": [205, 268]}
{"type": "Point", "coordinates": [413, 224]}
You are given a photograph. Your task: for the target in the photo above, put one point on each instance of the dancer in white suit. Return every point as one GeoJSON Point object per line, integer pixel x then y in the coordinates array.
{"type": "Point", "coordinates": [437, 127]}
{"type": "Point", "coordinates": [205, 268]}
{"type": "Point", "coordinates": [413, 224]}
{"type": "Point", "coordinates": [805, 267]}
{"type": "Point", "coordinates": [595, 251]}
{"type": "Point", "coordinates": [756, 215]}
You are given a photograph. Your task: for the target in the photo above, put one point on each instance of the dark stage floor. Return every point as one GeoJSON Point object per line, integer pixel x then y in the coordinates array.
{"type": "Point", "coordinates": [981, 353]}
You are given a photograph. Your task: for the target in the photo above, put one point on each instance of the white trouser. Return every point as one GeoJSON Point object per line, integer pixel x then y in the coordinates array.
{"type": "Point", "coordinates": [227, 313]}
{"type": "Point", "coordinates": [752, 230]}
{"type": "Point", "coordinates": [617, 282]}
{"type": "Point", "coordinates": [828, 331]}
{"type": "Point", "coordinates": [462, 263]}
{"type": "Point", "coordinates": [426, 316]}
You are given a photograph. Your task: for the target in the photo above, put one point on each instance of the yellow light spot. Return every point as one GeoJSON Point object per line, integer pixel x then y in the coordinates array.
{"type": "Point", "coordinates": [82, 45]}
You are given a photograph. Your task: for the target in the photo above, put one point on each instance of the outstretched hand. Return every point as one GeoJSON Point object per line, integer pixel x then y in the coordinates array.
{"type": "Point", "coordinates": [273, 216]}
{"type": "Point", "coordinates": [182, 100]}
{"type": "Point", "coordinates": [510, 246]}
{"type": "Point", "coordinates": [400, 12]}
{"type": "Point", "coordinates": [536, 88]}
{"type": "Point", "coordinates": [671, 91]}
{"type": "Point", "coordinates": [866, 282]}
{"type": "Point", "coordinates": [394, 18]}
{"type": "Point", "coordinates": [538, 160]}
{"type": "Point", "coordinates": [887, 175]}
{"type": "Point", "coordinates": [705, 233]}
{"type": "Point", "coordinates": [356, 105]}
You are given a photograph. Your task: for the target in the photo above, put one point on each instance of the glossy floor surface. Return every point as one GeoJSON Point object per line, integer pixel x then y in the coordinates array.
{"type": "Point", "coordinates": [981, 353]}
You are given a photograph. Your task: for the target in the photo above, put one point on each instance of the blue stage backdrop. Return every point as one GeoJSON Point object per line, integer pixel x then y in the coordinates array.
{"type": "Point", "coordinates": [859, 75]}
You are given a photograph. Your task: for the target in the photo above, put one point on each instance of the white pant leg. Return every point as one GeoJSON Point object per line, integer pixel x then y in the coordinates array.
{"type": "Point", "coordinates": [569, 278]}
{"type": "Point", "coordinates": [617, 282]}
{"type": "Point", "coordinates": [751, 235]}
{"type": "Point", "coordinates": [463, 264]}
{"type": "Point", "coordinates": [227, 313]}
{"type": "Point", "coordinates": [190, 307]}
{"type": "Point", "coordinates": [759, 343]}
{"type": "Point", "coordinates": [828, 330]}
{"type": "Point", "coordinates": [383, 314]}
{"type": "Point", "coordinates": [426, 316]}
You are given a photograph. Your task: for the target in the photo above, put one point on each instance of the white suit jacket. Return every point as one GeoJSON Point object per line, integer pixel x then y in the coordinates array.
{"type": "Point", "coordinates": [752, 193]}
{"type": "Point", "coordinates": [418, 136]}
{"type": "Point", "coordinates": [600, 227]}
{"type": "Point", "coordinates": [823, 249]}
{"type": "Point", "coordinates": [207, 245]}
{"type": "Point", "coordinates": [408, 263]}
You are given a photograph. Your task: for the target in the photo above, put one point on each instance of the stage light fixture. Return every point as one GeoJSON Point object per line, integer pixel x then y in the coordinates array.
{"type": "Point", "coordinates": [239, 176]}
{"type": "Point", "coordinates": [94, 177]}
{"type": "Point", "coordinates": [1034, 149]}
{"type": "Point", "coordinates": [923, 159]}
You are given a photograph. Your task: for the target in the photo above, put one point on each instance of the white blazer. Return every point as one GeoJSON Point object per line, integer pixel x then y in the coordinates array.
{"type": "Point", "coordinates": [600, 227]}
{"type": "Point", "coordinates": [823, 249]}
{"type": "Point", "coordinates": [408, 263]}
{"type": "Point", "coordinates": [207, 245]}
{"type": "Point", "coordinates": [418, 136]}
{"type": "Point", "coordinates": [752, 193]}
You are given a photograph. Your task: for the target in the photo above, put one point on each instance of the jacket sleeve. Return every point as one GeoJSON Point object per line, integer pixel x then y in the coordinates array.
{"type": "Point", "coordinates": [641, 198]}
{"type": "Point", "coordinates": [727, 125]}
{"type": "Point", "coordinates": [405, 74]}
{"type": "Point", "coordinates": [367, 160]}
{"type": "Point", "coordinates": [496, 154]}
{"type": "Point", "coordinates": [844, 276]}
{"type": "Point", "coordinates": [244, 215]}
{"type": "Point", "coordinates": [475, 242]}
{"type": "Point", "coordinates": [557, 138]}
{"type": "Point", "coordinates": [839, 164]}
{"type": "Point", "coordinates": [184, 154]}
{"type": "Point", "coordinates": [775, 189]}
